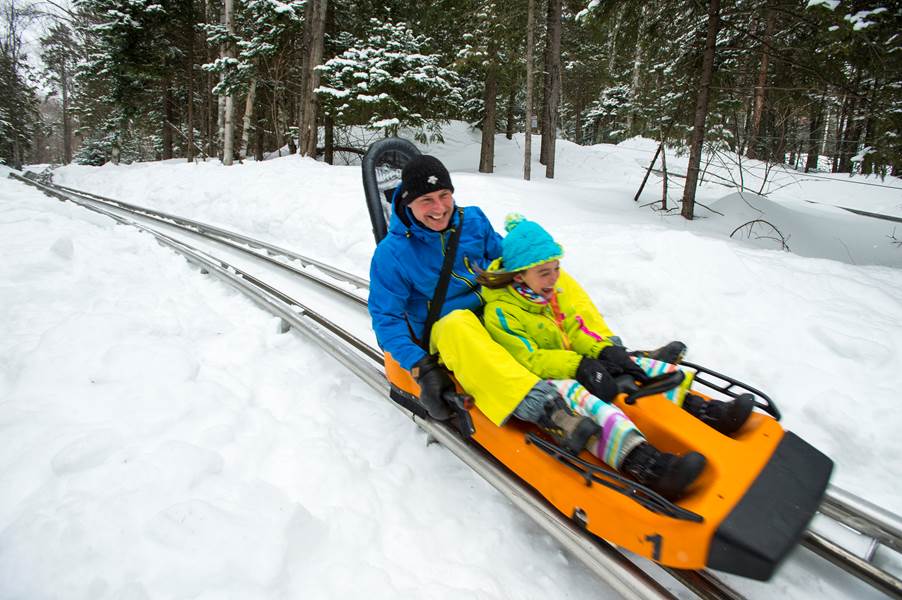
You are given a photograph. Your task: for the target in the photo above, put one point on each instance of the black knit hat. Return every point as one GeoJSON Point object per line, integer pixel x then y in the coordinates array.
{"type": "Point", "coordinates": [422, 175]}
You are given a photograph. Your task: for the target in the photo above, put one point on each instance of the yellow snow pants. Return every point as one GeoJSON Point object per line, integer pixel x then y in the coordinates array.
{"type": "Point", "coordinates": [486, 371]}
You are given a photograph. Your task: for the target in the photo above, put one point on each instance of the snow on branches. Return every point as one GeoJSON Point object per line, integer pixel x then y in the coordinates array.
{"type": "Point", "coordinates": [389, 81]}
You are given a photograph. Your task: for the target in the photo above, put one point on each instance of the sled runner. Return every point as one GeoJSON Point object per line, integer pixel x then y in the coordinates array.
{"type": "Point", "coordinates": [744, 514]}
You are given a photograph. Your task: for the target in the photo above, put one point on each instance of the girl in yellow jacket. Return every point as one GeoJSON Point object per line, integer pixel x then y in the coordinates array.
{"type": "Point", "coordinates": [548, 323]}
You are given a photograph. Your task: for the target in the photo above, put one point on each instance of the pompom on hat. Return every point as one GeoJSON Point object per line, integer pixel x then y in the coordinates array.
{"type": "Point", "coordinates": [527, 244]}
{"type": "Point", "coordinates": [423, 175]}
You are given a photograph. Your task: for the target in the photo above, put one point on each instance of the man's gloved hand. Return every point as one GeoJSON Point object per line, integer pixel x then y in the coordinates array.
{"type": "Point", "coordinates": [433, 381]}
{"type": "Point", "coordinates": [617, 362]}
{"type": "Point", "coordinates": [593, 376]}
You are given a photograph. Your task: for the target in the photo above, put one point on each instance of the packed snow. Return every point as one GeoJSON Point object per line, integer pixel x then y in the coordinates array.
{"type": "Point", "coordinates": [162, 439]}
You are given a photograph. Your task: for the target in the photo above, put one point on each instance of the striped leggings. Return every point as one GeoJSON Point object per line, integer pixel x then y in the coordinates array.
{"type": "Point", "coordinates": [619, 436]}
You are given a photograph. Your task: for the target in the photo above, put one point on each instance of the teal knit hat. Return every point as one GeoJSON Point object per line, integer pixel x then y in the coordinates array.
{"type": "Point", "coordinates": [527, 244]}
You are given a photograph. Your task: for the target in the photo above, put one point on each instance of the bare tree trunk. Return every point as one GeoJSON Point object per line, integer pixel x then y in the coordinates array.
{"type": "Point", "coordinates": [664, 176]}
{"type": "Point", "coordinates": [779, 153]}
{"type": "Point", "coordinates": [637, 73]}
{"type": "Point", "coordinates": [329, 141]}
{"type": "Point", "coordinates": [190, 150]}
{"type": "Point", "coordinates": [553, 86]}
{"type": "Point", "coordinates": [299, 102]}
{"type": "Point", "coordinates": [793, 143]}
{"type": "Point", "coordinates": [220, 116]}
{"type": "Point", "coordinates": [292, 113]}
{"type": "Point", "coordinates": [18, 160]}
{"type": "Point", "coordinates": [209, 120]}
{"type": "Point", "coordinates": [815, 129]}
{"type": "Point", "coordinates": [852, 132]}
{"type": "Point", "coordinates": [248, 116]}
{"type": "Point", "coordinates": [761, 86]}
{"type": "Point", "coordinates": [552, 82]}
{"type": "Point", "coordinates": [509, 130]}
{"type": "Point", "coordinates": [487, 148]}
{"type": "Point", "coordinates": [259, 136]}
{"type": "Point", "coordinates": [167, 117]}
{"type": "Point", "coordinates": [228, 129]}
{"type": "Point", "coordinates": [701, 111]}
{"type": "Point", "coordinates": [67, 126]}
{"type": "Point", "coordinates": [546, 83]}
{"type": "Point", "coordinates": [527, 146]}
{"type": "Point", "coordinates": [578, 126]}
{"type": "Point", "coordinates": [190, 108]}
{"type": "Point", "coordinates": [850, 140]}
{"type": "Point", "coordinates": [308, 130]}
{"type": "Point", "coordinates": [868, 166]}
{"type": "Point", "coordinates": [828, 106]}
{"type": "Point", "coordinates": [840, 128]}
{"type": "Point", "coordinates": [612, 40]}
{"type": "Point", "coordinates": [210, 116]}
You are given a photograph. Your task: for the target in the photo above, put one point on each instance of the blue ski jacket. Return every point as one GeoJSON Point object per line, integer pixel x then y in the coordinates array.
{"type": "Point", "coordinates": [405, 270]}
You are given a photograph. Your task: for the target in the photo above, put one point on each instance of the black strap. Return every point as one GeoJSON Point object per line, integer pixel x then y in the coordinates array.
{"type": "Point", "coordinates": [444, 278]}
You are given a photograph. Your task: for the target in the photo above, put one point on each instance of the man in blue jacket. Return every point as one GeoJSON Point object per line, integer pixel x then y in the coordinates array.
{"type": "Point", "coordinates": [403, 276]}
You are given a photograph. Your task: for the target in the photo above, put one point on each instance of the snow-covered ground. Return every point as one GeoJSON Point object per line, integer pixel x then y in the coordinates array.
{"type": "Point", "coordinates": [161, 438]}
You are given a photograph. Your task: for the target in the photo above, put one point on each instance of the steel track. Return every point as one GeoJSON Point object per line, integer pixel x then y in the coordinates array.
{"type": "Point", "coordinates": [882, 527]}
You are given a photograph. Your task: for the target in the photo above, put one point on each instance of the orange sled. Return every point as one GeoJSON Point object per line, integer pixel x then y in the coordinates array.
{"type": "Point", "coordinates": [743, 515]}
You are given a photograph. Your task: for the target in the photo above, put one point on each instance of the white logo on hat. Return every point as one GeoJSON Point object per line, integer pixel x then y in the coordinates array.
{"type": "Point", "coordinates": [432, 179]}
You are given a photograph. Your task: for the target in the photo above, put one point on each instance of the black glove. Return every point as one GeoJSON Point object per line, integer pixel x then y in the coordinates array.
{"type": "Point", "coordinates": [433, 381]}
{"type": "Point", "coordinates": [617, 362]}
{"type": "Point", "coordinates": [595, 378]}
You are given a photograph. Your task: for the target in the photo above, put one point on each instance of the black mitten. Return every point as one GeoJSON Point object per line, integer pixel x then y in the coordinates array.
{"type": "Point", "coordinates": [434, 382]}
{"type": "Point", "coordinates": [617, 362]}
{"type": "Point", "coordinates": [593, 376]}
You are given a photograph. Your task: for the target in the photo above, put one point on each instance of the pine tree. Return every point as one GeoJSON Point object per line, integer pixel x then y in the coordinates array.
{"type": "Point", "coordinates": [388, 81]}
{"type": "Point", "coordinates": [19, 118]}
{"type": "Point", "coordinates": [124, 77]}
{"type": "Point", "coordinates": [490, 65]}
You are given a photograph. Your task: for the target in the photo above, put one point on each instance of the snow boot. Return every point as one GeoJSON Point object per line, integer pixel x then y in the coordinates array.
{"type": "Point", "coordinates": [725, 417]}
{"type": "Point", "coordinates": [665, 473]}
{"type": "Point", "coordinates": [569, 430]}
{"type": "Point", "coordinates": [671, 352]}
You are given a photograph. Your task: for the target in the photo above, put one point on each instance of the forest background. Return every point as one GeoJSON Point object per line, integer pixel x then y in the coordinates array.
{"type": "Point", "coordinates": [812, 84]}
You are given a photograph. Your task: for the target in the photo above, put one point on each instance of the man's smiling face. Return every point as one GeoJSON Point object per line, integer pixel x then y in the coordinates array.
{"type": "Point", "coordinates": [434, 209]}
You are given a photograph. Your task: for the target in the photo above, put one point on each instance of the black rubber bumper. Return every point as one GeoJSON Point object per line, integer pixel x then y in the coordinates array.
{"type": "Point", "coordinates": [769, 520]}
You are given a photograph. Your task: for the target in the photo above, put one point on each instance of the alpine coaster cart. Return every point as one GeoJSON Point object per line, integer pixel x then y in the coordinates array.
{"type": "Point", "coordinates": [744, 514]}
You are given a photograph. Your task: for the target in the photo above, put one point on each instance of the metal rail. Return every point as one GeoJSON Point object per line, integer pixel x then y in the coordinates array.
{"type": "Point", "coordinates": [231, 239]}
{"type": "Point", "coordinates": [864, 517]}
{"type": "Point", "coordinates": [852, 564]}
{"type": "Point", "coordinates": [601, 558]}
{"type": "Point", "coordinates": [217, 232]}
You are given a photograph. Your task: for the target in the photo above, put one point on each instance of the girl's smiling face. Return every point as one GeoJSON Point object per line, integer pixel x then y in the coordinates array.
{"type": "Point", "coordinates": [541, 278]}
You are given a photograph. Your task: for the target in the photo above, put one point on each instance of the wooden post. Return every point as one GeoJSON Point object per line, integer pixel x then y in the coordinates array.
{"type": "Point", "coordinates": [648, 171]}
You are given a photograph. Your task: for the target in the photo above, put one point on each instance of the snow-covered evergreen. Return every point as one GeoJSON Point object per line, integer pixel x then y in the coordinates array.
{"type": "Point", "coordinates": [389, 80]}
